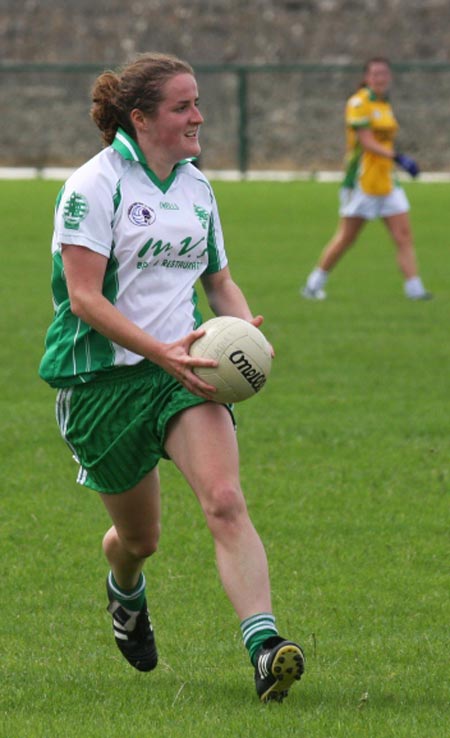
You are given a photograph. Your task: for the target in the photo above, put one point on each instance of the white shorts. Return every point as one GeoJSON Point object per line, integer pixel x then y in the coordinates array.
{"type": "Point", "coordinates": [356, 204]}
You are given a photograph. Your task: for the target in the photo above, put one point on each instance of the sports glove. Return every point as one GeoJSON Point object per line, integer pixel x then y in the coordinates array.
{"type": "Point", "coordinates": [408, 164]}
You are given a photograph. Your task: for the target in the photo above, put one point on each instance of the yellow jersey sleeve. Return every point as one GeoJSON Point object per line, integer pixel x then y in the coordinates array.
{"type": "Point", "coordinates": [358, 113]}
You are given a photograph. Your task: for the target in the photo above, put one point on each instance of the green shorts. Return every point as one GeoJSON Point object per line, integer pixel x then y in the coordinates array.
{"type": "Point", "coordinates": [116, 425]}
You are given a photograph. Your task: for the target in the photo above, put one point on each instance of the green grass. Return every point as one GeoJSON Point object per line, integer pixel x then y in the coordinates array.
{"type": "Point", "coordinates": [345, 463]}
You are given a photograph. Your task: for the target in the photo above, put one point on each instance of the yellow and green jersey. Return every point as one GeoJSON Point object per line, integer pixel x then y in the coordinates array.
{"type": "Point", "coordinates": [373, 173]}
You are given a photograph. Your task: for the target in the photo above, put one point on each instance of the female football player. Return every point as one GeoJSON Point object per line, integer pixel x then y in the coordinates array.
{"type": "Point", "coordinates": [135, 228]}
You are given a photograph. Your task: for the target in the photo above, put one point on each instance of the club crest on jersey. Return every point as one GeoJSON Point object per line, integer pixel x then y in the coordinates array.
{"type": "Point", "coordinates": [140, 214]}
{"type": "Point", "coordinates": [75, 210]}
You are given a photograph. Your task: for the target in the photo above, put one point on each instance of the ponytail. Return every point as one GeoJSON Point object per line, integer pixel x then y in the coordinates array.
{"type": "Point", "coordinates": [106, 111]}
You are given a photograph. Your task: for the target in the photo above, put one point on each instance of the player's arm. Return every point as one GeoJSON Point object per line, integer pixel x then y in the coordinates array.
{"type": "Point", "coordinates": [369, 143]}
{"type": "Point", "coordinates": [85, 271]}
{"type": "Point", "coordinates": [226, 298]}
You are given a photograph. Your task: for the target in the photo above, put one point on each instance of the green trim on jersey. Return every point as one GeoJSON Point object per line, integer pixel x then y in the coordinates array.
{"type": "Point", "coordinates": [213, 252]}
{"type": "Point", "coordinates": [163, 186]}
{"type": "Point", "coordinates": [198, 319]}
{"type": "Point", "coordinates": [129, 149]}
{"type": "Point", "coordinates": [117, 197]}
{"type": "Point", "coordinates": [352, 169]}
{"type": "Point", "coordinates": [373, 97]}
{"type": "Point", "coordinates": [70, 343]}
{"type": "Point", "coordinates": [59, 196]}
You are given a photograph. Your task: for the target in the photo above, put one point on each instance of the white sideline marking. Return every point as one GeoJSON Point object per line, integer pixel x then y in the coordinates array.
{"type": "Point", "coordinates": [225, 175]}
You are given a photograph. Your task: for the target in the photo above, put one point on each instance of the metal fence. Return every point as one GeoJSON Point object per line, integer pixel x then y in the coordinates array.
{"type": "Point", "coordinates": [258, 117]}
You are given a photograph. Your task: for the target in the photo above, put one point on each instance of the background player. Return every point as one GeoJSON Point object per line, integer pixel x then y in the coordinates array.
{"type": "Point", "coordinates": [370, 189]}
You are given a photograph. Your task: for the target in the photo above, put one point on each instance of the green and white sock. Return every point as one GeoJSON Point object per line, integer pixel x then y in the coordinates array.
{"type": "Point", "coordinates": [130, 599]}
{"type": "Point", "coordinates": [256, 629]}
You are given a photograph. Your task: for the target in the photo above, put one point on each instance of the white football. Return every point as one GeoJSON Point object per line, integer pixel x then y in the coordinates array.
{"type": "Point", "coordinates": [244, 357]}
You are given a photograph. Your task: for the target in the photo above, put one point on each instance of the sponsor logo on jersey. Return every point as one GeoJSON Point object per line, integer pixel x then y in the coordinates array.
{"type": "Point", "coordinates": [75, 210]}
{"type": "Point", "coordinates": [140, 214]}
{"type": "Point", "coordinates": [168, 206]}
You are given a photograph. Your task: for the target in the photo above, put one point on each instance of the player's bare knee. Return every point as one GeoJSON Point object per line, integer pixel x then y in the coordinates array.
{"type": "Point", "coordinates": [143, 547]}
{"type": "Point", "coordinates": [224, 505]}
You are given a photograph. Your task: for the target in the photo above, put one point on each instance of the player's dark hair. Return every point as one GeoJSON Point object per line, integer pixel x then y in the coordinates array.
{"type": "Point", "coordinates": [367, 65]}
{"type": "Point", "coordinates": [137, 85]}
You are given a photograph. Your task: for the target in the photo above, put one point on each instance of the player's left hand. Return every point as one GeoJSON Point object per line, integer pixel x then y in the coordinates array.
{"type": "Point", "coordinates": [257, 322]}
{"type": "Point", "coordinates": [408, 164]}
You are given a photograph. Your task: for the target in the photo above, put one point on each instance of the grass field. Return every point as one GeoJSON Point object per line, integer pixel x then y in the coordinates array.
{"type": "Point", "coordinates": [345, 463]}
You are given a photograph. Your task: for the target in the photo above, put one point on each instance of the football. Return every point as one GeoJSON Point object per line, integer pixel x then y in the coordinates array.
{"type": "Point", "coordinates": [244, 357]}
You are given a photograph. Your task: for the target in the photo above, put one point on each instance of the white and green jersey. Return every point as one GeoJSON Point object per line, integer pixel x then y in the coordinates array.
{"type": "Point", "coordinates": [158, 237]}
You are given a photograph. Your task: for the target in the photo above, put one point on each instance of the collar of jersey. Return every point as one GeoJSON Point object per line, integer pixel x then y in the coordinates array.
{"type": "Point", "coordinates": [129, 149]}
{"type": "Point", "coordinates": [374, 98]}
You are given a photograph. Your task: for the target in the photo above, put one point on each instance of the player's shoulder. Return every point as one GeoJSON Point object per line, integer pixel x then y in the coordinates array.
{"type": "Point", "coordinates": [107, 164]}
{"type": "Point", "coordinates": [188, 168]}
{"type": "Point", "coordinates": [98, 175]}
{"type": "Point", "coordinates": [193, 176]}
{"type": "Point", "coordinates": [359, 99]}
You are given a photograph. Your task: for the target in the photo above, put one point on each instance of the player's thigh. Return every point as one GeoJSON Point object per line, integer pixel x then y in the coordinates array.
{"type": "Point", "coordinates": [136, 513]}
{"type": "Point", "coordinates": [202, 442]}
{"type": "Point", "coordinates": [399, 226]}
{"type": "Point", "coordinates": [349, 228]}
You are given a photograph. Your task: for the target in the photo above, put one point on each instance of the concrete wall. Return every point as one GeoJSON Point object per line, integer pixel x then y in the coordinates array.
{"type": "Point", "coordinates": [295, 119]}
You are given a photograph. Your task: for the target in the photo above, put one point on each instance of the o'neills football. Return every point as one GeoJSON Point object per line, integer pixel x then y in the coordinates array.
{"type": "Point", "coordinates": [244, 357]}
